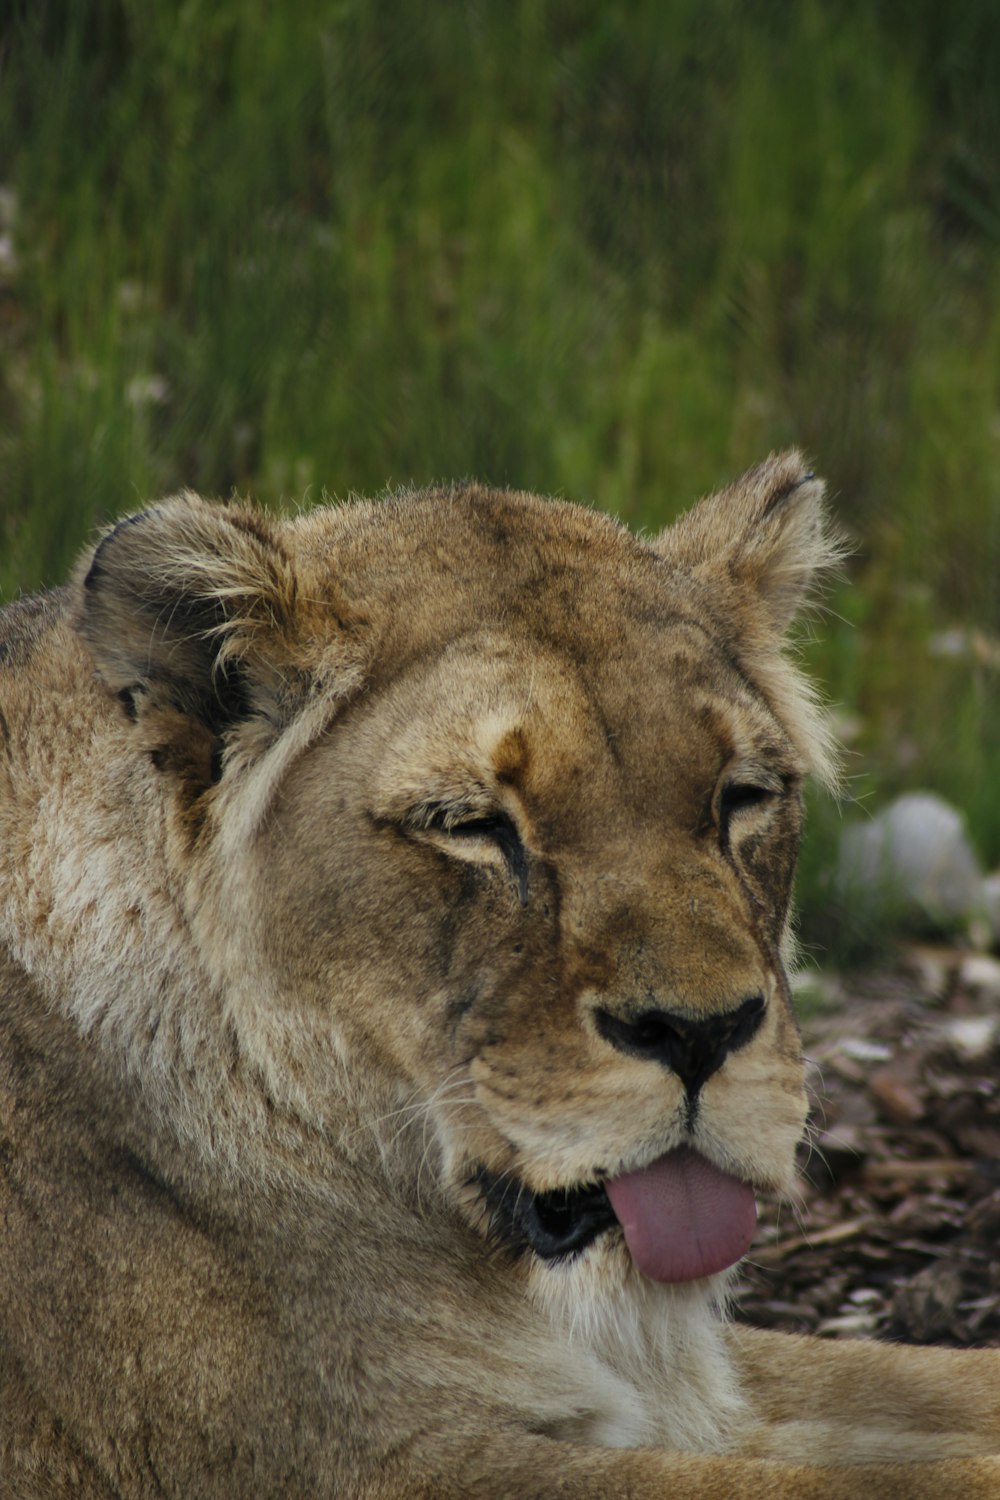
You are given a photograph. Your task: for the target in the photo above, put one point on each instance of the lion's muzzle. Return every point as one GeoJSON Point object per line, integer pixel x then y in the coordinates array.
{"type": "Point", "coordinates": [693, 1049]}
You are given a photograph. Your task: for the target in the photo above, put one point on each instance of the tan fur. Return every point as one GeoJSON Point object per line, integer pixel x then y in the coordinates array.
{"type": "Point", "coordinates": [268, 1013]}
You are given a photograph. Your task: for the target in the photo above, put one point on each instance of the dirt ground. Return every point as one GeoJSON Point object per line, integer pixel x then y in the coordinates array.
{"type": "Point", "coordinates": [897, 1234]}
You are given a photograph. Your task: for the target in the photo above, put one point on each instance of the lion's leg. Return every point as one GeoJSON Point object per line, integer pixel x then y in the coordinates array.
{"type": "Point", "coordinates": [533, 1468]}
{"type": "Point", "coordinates": [855, 1401]}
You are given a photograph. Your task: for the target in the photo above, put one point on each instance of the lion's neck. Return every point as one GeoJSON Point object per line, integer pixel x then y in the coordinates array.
{"type": "Point", "coordinates": [655, 1354]}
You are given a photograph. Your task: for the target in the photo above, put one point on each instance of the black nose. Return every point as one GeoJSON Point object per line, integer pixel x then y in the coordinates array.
{"type": "Point", "coordinates": [694, 1050]}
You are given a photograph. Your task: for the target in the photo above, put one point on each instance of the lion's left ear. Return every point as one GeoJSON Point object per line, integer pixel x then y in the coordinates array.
{"type": "Point", "coordinates": [197, 609]}
{"type": "Point", "coordinates": [767, 534]}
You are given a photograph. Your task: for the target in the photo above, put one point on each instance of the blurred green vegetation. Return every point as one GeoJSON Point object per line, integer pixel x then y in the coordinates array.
{"type": "Point", "coordinates": [614, 252]}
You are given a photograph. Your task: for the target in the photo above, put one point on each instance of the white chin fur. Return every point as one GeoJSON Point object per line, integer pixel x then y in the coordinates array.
{"type": "Point", "coordinates": [652, 1356]}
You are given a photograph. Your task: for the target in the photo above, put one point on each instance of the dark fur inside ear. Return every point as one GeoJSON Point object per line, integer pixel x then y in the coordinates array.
{"type": "Point", "coordinates": [179, 606]}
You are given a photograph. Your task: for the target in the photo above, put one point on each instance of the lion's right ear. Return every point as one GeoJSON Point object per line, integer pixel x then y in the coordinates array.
{"type": "Point", "coordinates": [194, 607]}
{"type": "Point", "coordinates": [763, 541]}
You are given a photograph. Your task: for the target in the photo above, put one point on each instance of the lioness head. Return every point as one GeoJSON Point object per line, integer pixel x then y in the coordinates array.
{"type": "Point", "coordinates": [481, 813]}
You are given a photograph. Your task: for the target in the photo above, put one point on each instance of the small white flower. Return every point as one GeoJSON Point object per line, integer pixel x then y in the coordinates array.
{"type": "Point", "coordinates": [147, 390]}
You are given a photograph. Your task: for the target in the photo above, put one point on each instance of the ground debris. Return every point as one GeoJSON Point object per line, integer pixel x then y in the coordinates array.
{"type": "Point", "coordinates": [895, 1231]}
{"type": "Point", "coordinates": [924, 1307]}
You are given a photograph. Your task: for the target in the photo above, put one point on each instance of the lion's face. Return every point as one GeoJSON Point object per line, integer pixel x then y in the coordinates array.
{"type": "Point", "coordinates": [508, 803]}
{"type": "Point", "coordinates": [575, 876]}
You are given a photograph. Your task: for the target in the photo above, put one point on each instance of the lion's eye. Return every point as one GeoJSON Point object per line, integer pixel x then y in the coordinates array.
{"type": "Point", "coordinates": [498, 828]}
{"type": "Point", "coordinates": [739, 796]}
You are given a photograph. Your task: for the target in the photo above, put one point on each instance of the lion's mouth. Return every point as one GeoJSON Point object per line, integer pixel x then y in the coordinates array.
{"type": "Point", "coordinates": [682, 1217]}
{"type": "Point", "coordinates": [554, 1225]}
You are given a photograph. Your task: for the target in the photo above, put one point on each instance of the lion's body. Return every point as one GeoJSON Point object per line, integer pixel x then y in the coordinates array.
{"type": "Point", "coordinates": [385, 896]}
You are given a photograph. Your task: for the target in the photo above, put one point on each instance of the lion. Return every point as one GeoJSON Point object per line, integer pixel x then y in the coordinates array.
{"type": "Point", "coordinates": [395, 1028]}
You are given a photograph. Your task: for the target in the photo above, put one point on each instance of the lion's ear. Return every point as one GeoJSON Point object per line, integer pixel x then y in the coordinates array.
{"type": "Point", "coordinates": [767, 533]}
{"type": "Point", "coordinates": [192, 607]}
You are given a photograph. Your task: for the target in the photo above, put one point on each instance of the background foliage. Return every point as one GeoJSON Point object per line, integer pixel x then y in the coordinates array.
{"type": "Point", "coordinates": [615, 252]}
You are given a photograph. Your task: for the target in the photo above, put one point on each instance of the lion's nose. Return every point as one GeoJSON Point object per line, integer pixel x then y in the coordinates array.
{"type": "Point", "coordinates": [693, 1049]}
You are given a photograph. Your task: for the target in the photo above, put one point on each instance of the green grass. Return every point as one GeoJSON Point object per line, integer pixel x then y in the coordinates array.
{"type": "Point", "coordinates": [614, 252]}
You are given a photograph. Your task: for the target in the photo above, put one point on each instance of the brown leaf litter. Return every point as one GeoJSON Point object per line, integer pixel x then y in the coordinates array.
{"type": "Point", "coordinates": [897, 1231]}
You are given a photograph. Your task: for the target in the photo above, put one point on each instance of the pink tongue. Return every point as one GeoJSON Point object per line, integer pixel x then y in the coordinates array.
{"type": "Point", "coordinates": [683, 1217]}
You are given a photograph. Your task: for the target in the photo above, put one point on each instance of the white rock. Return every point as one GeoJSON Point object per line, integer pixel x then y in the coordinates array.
{"type": "Point", "coordinates": [914, 859]}
{"type": "Point", "coordinates": [991, 904]}
{"type": "Point", "coordinates": [981, 974]}
{"type": "Point", "coordinates": [972, 1037]}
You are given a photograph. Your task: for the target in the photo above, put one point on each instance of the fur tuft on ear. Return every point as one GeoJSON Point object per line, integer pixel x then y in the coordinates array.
{"type": "Point", "coordinates": [191, 606]}
{"type": "Point", "coordinates": [767, 531]}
